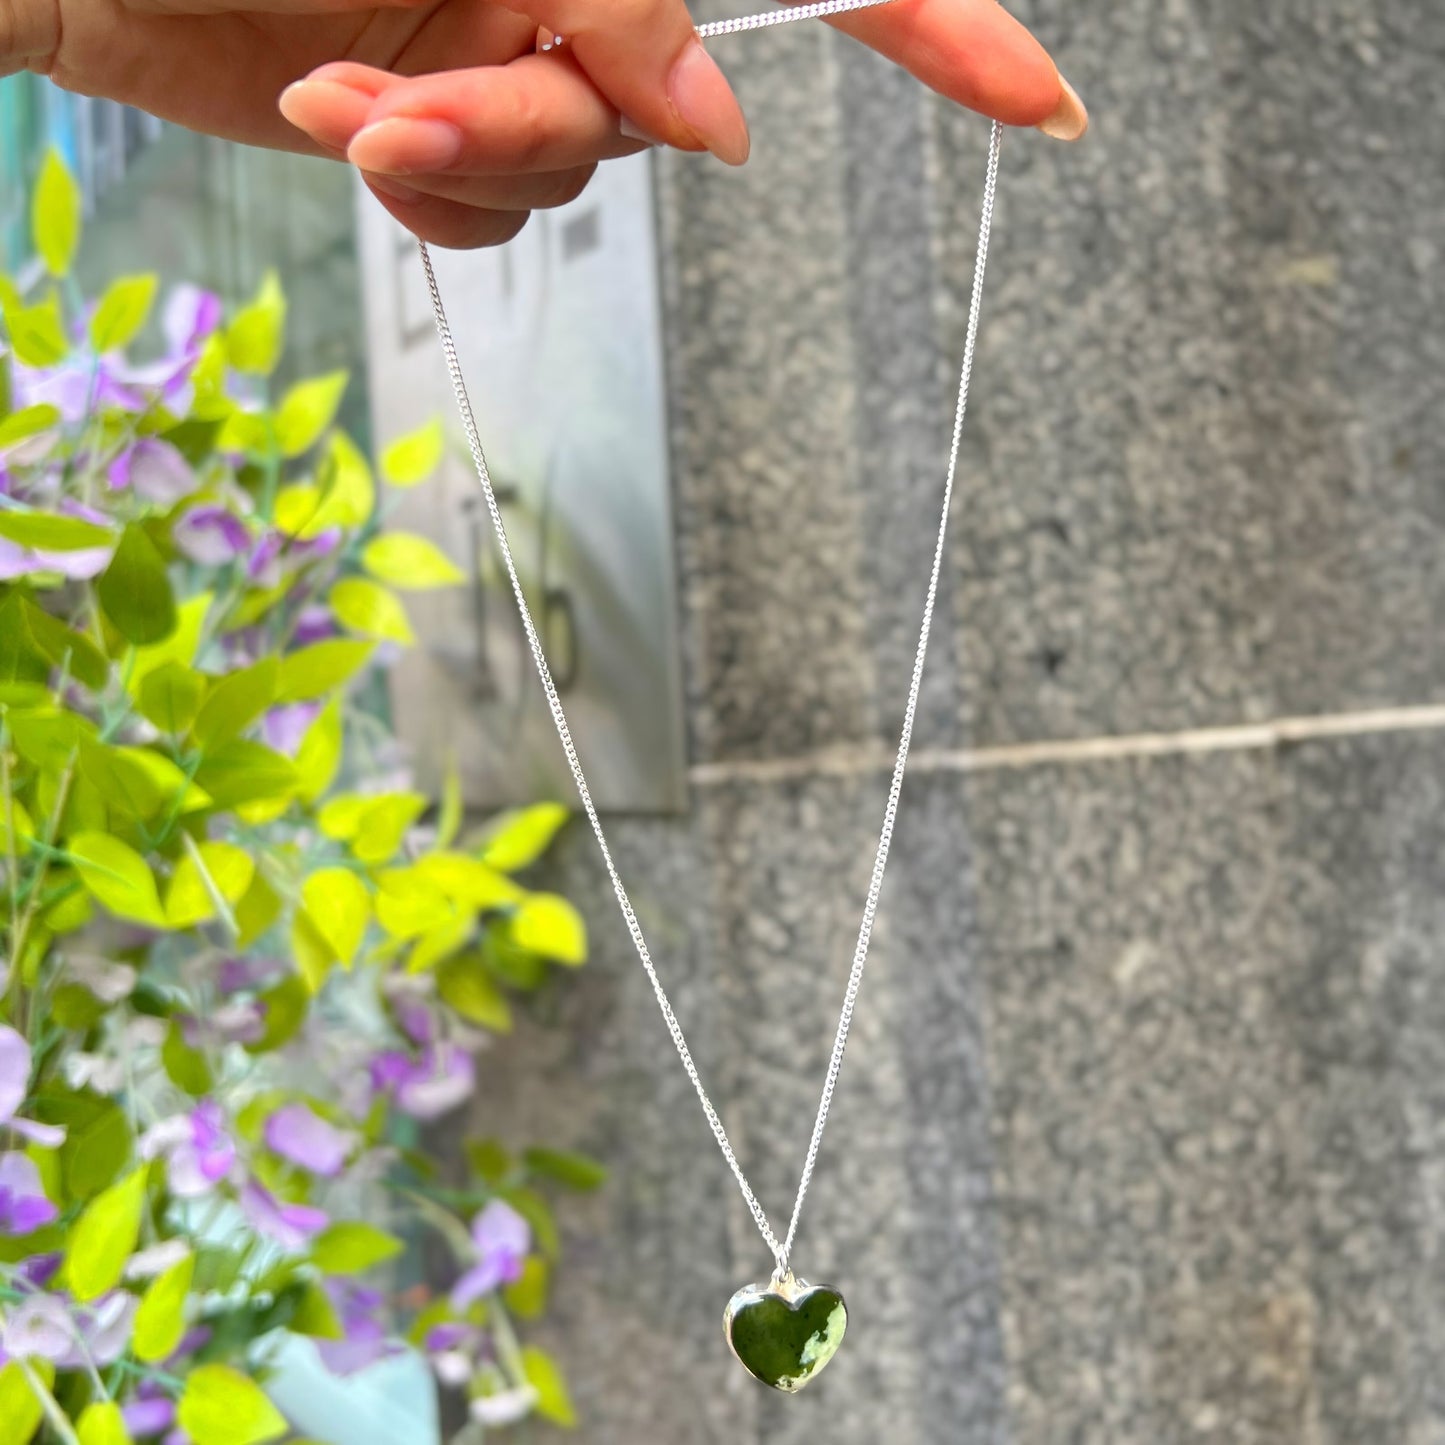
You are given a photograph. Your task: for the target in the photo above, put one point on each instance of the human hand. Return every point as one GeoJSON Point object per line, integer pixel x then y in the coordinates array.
{"type": "Point", "coordinates": [459, 125]}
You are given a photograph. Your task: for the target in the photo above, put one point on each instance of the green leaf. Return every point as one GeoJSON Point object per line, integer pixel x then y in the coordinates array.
{"type": "Point", "coordinates": [136, 592]}
{"type": "Point", "coordinates": [28, 422]}
{"type": "Point", "coordinates": [527, 1297]}
{"type": "Point", "coordinates": [285, 1008]}
{"type": "Point", "coordinates": [314, 671]}
{"type": "Point", "coordinates": [256, 910]}
{"type": "Point", "coordinates": [117, 876]}
{"type": "Point", "coordinates": [245, 772]}
{"type": "Point", "coordinates": [544, 1375]}
{"type": "Point", "coordinates": [234, 702]}
{"type": "Point", "coordinates": [489, 1158]}
{"type": "Point", "coordinates": [449, 817]}
{"type": "Point", "coordinates": [516, 840]}
{"type": "Point", "coordinates": [180, 646]}
{"type": "Point", "coordinates": [186, 1067]}
{"type": "Point", "coordinates": [312, 951]}
{"type": "Point", "coordinates": [50, 533]}
{"type": "Point", "coordinates": [170, 696]}
{"type": "Point", "coordinates": [122, 312]}
{"type": "Point", "coordinates": [63, 646]}
{"type": "Point", "coordinates": [138, 782]}
{"type": "Point", "coordinates": [370, 610]}
{"type": "Point", "coordinates": [469, 881]}
{"type": "Point", "coordinates": [189, 900]}
{"type": "Point", "coordinates": [339, 905]}
{"type": "Point", "coordinates": [220, 1406]}
{"type": "Point", "coordinates": [307, 410]}
{"type": "Point", "coordinates": [464, 983]}
{"type": "Point", "coordinates": [37, 333]}
{"type": "Point", "coordinates": [255, 337]}
{"type": "Point", "coordinates": [441, 942]}
{"type": "Point", "coordinates": [55, 215]}
{"type": "Point", "coordinates": [319, 757]}
{"type": "Point", "coordinates": [97, 1145]}
{"type": "Point", "coordinates": [105, 1237]}
{"type": "Point", "coordinates": [349, 1247]}
{"type": "Point", "coordinates": [101, 1423]}
{"type": "Point", "coordinates": [413, 458]}
{"type": "Point", "coordinates": [405, 560]}
{"type": "Point", "coordinates": [567, 1168]}
{"type": "Point", "coordinates": [161, 1319]}
{"type": "Point", "coordinates": [384, 824]}
{"type": "Point", "coordinates": [548, 924]}
{"type": "Point", "coordinates": [315, 1315]}
{"type": "Point", "coordinates": [20, 1409]}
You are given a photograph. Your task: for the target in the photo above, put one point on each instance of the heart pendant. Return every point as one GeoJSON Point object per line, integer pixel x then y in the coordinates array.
{"type": "Point", "coordinates": [785, 1332]}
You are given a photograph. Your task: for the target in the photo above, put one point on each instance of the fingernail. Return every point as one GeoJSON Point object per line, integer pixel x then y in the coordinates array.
{"type": "Point", "coordinates": [393, 190]}
{"type": "Point", "coordinates": [402, 146]}
{"type": "Point", "coordinates": [633, 131]}
{"type": "Point", "coordinates": [1069, 120]}
{"type": "Point", "coordinates": [327, 111]}
{"type": "Point", "coordinates": [704, 102]}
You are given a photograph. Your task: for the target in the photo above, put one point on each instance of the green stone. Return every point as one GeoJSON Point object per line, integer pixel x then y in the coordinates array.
{"type": "Point", "coordinates": [784, 1334]}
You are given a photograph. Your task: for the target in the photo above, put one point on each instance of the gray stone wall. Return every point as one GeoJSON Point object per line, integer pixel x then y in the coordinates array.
{"type": "Point", "coordinates": [1141, 1137]}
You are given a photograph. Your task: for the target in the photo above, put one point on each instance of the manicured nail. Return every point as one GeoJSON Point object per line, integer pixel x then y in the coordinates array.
{"type": "Point", "coordinates": [633, 131]}
{"type": "Point", "coordinates": [704, 102]}
{"type": "Point", "coordinates": [402, 146]}
{"type": "Point", "coordinates": [327, 111]}
{"type": "Point", "coordinates": [1069, 120]}
{"type": "Point", "coordinates": [393, 190]}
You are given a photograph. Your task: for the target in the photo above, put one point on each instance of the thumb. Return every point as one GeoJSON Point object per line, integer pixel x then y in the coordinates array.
{"type": "Point", "coordinates": [647, 59]}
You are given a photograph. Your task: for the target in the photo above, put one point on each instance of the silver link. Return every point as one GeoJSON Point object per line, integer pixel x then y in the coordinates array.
{"type": "Point", "coordinates": [780, 1251]}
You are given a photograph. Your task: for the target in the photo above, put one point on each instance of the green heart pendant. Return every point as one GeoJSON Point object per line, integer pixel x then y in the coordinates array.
{"type": "Point", "coordinates": [785, 1332]}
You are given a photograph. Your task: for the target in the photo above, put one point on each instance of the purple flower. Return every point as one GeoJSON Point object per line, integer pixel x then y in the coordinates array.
{"type": "Point", "coordinates": [38, 1328]}
{"type": "Point", "coordinates": [149, 1413]}
{"type": "Point", "coordinates": [105, 1328]}
{"type": "Point", "coordinates": [364, 1340]}
{"type": "Point", "coordinates": [501, 1238]}
{"type": "Point", "coordinates": [190, 316]}
{"type": "Point", "coordinates": [283, 728]}
{"type": "Point", "coordinates": [211, 536]}
{"type": "Point", "coordinates": [17, 561]}
{"type": "Point", "coordinates": [14, 1084]}
{"type": "Point", "coordinates": [263, 566]}
{"type": "Point", "coordinates": [24, 1207]}
{"type": "Point", "coordinates": [426, 1088]}
{"type": "Point", "coordinates": [303, 1138]}
{"type": "Point", "coordinates": [289, 1225]}
{"type": "Point", "coordinates": [315, 624]}
{"type": "Point", "coordinates": [155, 471]}
{"type": "Point", "coordinates": [197, 1150]}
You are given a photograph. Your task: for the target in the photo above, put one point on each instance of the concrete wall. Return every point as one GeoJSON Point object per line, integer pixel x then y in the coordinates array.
{"type": "Point", "coordinates": [1141, 1137]}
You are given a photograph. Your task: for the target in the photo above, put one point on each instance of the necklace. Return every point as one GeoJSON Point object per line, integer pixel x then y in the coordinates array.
{"type": "Point", "coordinates": [785, 1331]}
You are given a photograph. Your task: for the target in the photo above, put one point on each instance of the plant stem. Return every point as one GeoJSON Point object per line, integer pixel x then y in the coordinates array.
{"type": "Point", "coordinates": [57, 1417]}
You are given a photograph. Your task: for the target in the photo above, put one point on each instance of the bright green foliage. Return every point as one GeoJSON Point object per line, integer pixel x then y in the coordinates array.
{"type": "Point", "coordinates": [545, 1377]}
{"type": "Point", "coordinates": [349, 1248]}
{"type": "Point", "coordinates": [413, 459]}
{"type": "Point", "coordinates": [104, 1238]}
{"type": "Point", "coordinates": [220, 1406]}
{"type": "Point", "coordinates": [101, 1424]}
{"type": "Point", "coordinates": [235, 974]}
{"type": "Point", "coordinates": [55, 215]}
{"type": "Point", "coordinates": [122, 312]}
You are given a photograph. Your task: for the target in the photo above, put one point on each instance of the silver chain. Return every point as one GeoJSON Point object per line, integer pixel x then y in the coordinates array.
{"type": "Point", "coordinates": [780, 1251]}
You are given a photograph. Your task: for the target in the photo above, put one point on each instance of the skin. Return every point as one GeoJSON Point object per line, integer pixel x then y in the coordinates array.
{"type": "Point", "coordinates": [519, 129]}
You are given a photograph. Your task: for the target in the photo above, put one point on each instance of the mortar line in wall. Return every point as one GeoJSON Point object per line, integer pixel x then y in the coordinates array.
{"type": "Point", "coordinates": [871, 758]}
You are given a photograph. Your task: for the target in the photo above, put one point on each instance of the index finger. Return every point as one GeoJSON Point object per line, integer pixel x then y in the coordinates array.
{"type": "Point", "coordinates": [973, 52]}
